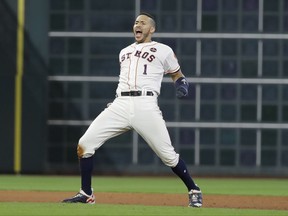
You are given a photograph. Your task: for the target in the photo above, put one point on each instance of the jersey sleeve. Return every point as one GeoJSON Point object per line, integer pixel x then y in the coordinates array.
{"type": "Point", "coordinates": [120, 56]}
{"type": "Point", "coordinates": [171, 64]}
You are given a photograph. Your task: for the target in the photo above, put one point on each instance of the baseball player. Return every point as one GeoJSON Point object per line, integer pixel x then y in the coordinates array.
{"type": "Point", "coordinates": [142, 66]}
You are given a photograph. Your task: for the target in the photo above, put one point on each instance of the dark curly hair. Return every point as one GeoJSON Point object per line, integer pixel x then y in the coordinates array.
{"type": "Point", "coordinates": [150, 16]}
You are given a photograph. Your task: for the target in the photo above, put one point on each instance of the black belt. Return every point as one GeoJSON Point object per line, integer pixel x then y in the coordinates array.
{"type": "Point", "coordinates": [137, 93]}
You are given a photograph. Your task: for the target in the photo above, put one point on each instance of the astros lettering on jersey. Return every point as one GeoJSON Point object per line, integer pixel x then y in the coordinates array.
{"type": "Point", "coordinates": [141, 66]}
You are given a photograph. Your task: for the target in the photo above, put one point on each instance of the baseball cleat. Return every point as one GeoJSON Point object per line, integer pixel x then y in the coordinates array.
{"type": "Point", "coordinates": [81, 197]}
{"type": "Point", "coordinates": [195, 198]}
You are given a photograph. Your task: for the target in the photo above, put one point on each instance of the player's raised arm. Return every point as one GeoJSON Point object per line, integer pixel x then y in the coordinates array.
{"type": "Point", "coordinates": [181, 84]}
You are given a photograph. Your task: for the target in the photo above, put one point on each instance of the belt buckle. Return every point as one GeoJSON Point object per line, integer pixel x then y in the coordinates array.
{"type": "Point", "coordinates": [138, 93]}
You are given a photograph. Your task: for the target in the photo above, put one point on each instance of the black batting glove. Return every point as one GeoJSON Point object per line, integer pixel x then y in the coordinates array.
{"type": "Point", "coordinates": [181, 85]}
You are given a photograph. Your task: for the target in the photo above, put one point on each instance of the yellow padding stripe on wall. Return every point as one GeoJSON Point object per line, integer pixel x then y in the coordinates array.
{"type": "Point", "coordinates": [18, 86]}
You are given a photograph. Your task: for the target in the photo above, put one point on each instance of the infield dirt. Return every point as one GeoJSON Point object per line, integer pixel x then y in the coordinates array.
{"type": "Point", "coordinates": [209, 201]}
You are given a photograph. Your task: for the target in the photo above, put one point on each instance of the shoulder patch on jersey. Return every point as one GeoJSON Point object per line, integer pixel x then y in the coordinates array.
{"type": "Point", "coordinates": [153, 49]}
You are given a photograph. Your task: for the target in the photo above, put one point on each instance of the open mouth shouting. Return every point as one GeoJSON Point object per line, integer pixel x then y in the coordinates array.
{"type": "Point", "coordinates": [138, 34]}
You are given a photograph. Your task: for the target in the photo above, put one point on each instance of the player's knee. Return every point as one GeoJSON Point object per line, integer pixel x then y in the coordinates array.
{"type": "Point", "coordinates": [83, 152]}
{"type": "Point", "coordinates": [80, 151]}
{"type": "Point", "coordinates": [171, 161]}
{"type": "Point", "coordinates": [82, 148]}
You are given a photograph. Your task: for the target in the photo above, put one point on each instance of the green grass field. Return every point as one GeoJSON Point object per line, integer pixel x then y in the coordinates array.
{"type": "Point", "coordinates": [243, 186]}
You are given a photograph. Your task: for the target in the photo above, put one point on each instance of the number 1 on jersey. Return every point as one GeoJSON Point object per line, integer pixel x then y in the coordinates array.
{"type": "Point", "coordinates": [145, 69]}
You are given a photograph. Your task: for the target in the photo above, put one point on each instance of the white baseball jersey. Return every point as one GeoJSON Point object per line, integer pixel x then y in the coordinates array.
{"type": "Point", "coordinates": [143, 66]}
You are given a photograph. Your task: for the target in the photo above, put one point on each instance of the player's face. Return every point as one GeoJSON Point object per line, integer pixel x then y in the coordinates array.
{"type": "Point", "coordinates": [143, 29]}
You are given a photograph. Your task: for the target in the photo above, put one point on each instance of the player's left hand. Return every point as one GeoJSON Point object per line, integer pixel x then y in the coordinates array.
{"type": "Point", "coordinates": [181, 86]}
